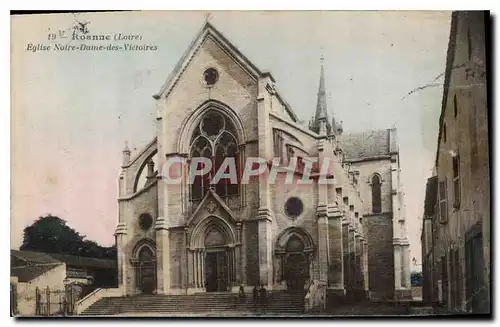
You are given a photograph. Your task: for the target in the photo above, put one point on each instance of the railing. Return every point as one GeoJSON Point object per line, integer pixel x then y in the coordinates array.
{"type": "Point", "coordinates": [55, 302]}
{"type": "Point", "coordinates": [13, 300]}
{"type": "Point", "coordinates": [315, 299]}
{"type": "Point", "coordinates": [95, 296]}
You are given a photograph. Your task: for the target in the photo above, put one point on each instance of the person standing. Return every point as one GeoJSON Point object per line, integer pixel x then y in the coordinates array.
{"type": "Point", "coordinates": [255, 294]}
{"type": "Point", "coordinates": [263, 297]}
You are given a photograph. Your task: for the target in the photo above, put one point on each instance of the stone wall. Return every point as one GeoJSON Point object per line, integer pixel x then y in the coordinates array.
{"type": "Point", "coordinates": [251, 237]}
{"type": "Point", "coordinates": [463, 137]}
{"type": "Point", "coordinates": [26, 291]}
{"type": "Point", "coordinates": [378, 232]}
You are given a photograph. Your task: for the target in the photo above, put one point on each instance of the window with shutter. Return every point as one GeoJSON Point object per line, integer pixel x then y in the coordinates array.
{"type": "Point", "coordinates": [443, 209]}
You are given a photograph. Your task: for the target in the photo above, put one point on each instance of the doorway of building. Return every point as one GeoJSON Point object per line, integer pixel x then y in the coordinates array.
{"type": "Point", "coordinates": [147, 271]}
{"type": "Point", "coordinates": [475, 290]}
{"type": "Point", "coordinates": [296, 266]}
{"type": "Point", "coordinates": [216, 269]}
{"type": "Point", "coordinates": [297, 272]}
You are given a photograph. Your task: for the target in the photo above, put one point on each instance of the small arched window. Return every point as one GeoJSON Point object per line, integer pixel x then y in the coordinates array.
{"type": "Point", "coordinates": [145, 254]}
{"type": "Point", "coordinates": [376, 194]}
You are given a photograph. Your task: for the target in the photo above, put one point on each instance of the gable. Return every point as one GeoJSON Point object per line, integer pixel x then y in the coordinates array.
{"type": "Point", "coordinates": [210, 205]}
{"type": "Point", "coordinates": [237, 87]}
{"type": "Point", "coordinates": [206, 38]}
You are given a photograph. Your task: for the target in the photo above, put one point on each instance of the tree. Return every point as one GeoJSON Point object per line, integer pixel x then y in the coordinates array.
{"type": "Point", "coordinates": [50, 234]}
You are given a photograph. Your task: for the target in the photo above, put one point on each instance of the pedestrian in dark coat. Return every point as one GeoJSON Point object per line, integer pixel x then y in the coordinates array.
{"type": "Point", "coordinates": [255, 294]}
{"type": "Point", "coordinates": [262, 296]}
{"type": "Point", "coordinates": [242, 291]}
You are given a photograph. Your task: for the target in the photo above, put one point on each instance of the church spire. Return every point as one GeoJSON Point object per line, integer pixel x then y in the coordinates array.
{"type": "Point", "coordinates": [321, 115]}
{"type": "Point", "coordinates": [321, 104]}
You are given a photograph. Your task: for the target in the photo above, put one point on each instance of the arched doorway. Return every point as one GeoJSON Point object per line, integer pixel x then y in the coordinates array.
{"type": "Point", "coordinates": [213, 255]}
{"type": "Point", "coordinates": [216, 261]}
{"type": "Point", "coordinates": [296, 265]}
{"type": "Point", "coordinates": [146, 270]}
{"type": "Point", "coordinates": [294, 252]}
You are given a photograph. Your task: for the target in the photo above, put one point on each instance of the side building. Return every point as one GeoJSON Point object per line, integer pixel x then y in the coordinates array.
{"type": "Point", "coordinates": [456, 224]}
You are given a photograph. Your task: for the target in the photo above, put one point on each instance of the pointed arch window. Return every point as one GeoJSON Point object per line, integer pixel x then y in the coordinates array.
{"type": "Point", "coordinates": [376, 194]}
{"type": "Point", "coordinates": [215, 138]}
{"type": "Point", "coordinates": [145, 254]}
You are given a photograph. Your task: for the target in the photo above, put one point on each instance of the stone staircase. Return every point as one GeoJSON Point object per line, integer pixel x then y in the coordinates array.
{"type": "Point", "coordinates": [283, 302]}
{"type": "Point", "coordinates": [278, 302]}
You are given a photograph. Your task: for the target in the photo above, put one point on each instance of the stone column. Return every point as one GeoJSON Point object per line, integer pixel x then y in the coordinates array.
{"type": "Point", "coordinates": [366, 273]}
{"type": "Point", "coordinates": [336, 254]}
{"type": "Point", "coordinates": [230, 266]}
{"type": "Point", "coordinates": [265, 146]}
{"type": "Point", "coordinates": [323, 254]}
{"type": "Point", "coordinates": [361, 265]}
{"type": "Point", "coordinates": [357, 267]}
{"type": "Point", "coordinates": [190, 268]}
{"type": "Point", "coordinates": [202, 267]}
{"type": "Point", "coordinates": [162, 256]}
{"type": "Point", "coordinates": [397, 267]}
{"type": "Point", "coordinates": [243, 258]}
{"type": "Point", "coordinates": [265, 149]}
{"type": "Point", "coordinates": [352, 261]}
{"type": "Point", "coordinates": [237, 256]}
{"type": "Point", "coordinates": [322, 216]}
{"type": "Point", "coordinates": [121, 240]}
{"type": "Point", "coordinates": [406, 276]}
{"type": "Point", "coordinates": [237, 267]}
{"type": "Point", "coordinates": [196, 267]}
{"type": "Point", "coordinates": [265, 253]}
{"type": "Point", "coordinates": [184, 262]}
{"type": "Point", "coordinates": [345, 248]}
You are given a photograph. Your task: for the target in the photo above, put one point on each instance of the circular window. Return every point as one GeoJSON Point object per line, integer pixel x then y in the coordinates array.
{"type": "Point", "coordinates": [145, 221]}
{"type": "Point", "coordinates": [212, 124]}
{"type": "Point", "coordinates": [210, 76]}
{"type": "Point", "coordinates": [293, 207]}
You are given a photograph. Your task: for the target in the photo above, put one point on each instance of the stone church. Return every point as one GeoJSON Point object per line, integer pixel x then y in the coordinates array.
{"type": "Point", "coordinates": [347, 236]}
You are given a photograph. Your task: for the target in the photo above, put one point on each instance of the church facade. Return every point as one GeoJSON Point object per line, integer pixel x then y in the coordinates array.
{"type": "Point", "coordinates": [347, 235]}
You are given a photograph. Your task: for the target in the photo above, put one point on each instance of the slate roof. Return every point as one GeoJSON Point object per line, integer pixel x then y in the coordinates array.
{"type": "Point", "coordinates": [27, 265]}
{"type": "Point", "coordinates": [36, 257]}
{"type": "Point", "coordinates": [84, 262]}
{"type": "Point", "coordinates": [371, 144]}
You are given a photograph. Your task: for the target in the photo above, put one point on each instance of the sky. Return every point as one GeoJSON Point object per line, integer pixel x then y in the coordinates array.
{"type": "Point", "coordinates": [73, 111]}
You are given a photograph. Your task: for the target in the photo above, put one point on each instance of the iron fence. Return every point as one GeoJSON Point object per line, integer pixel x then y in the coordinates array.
{"type": "Point", "coordinates": [57, 302]}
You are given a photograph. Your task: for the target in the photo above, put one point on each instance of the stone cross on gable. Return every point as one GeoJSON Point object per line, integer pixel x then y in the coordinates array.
{"type": "Point", "coordinates": [208, 16]}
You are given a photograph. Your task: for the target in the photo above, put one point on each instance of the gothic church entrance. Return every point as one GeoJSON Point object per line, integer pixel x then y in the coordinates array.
{"type": "Point", "coordinates": [216, 271]}
{"type": "Point", "coordinates": [294, 251]}
{"type": "Point", "coordinates": [146, 270]}
{"type": "Point", "coordinates": [216, 263]}
{"type": "Point", "coordinates": [296, 266]}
